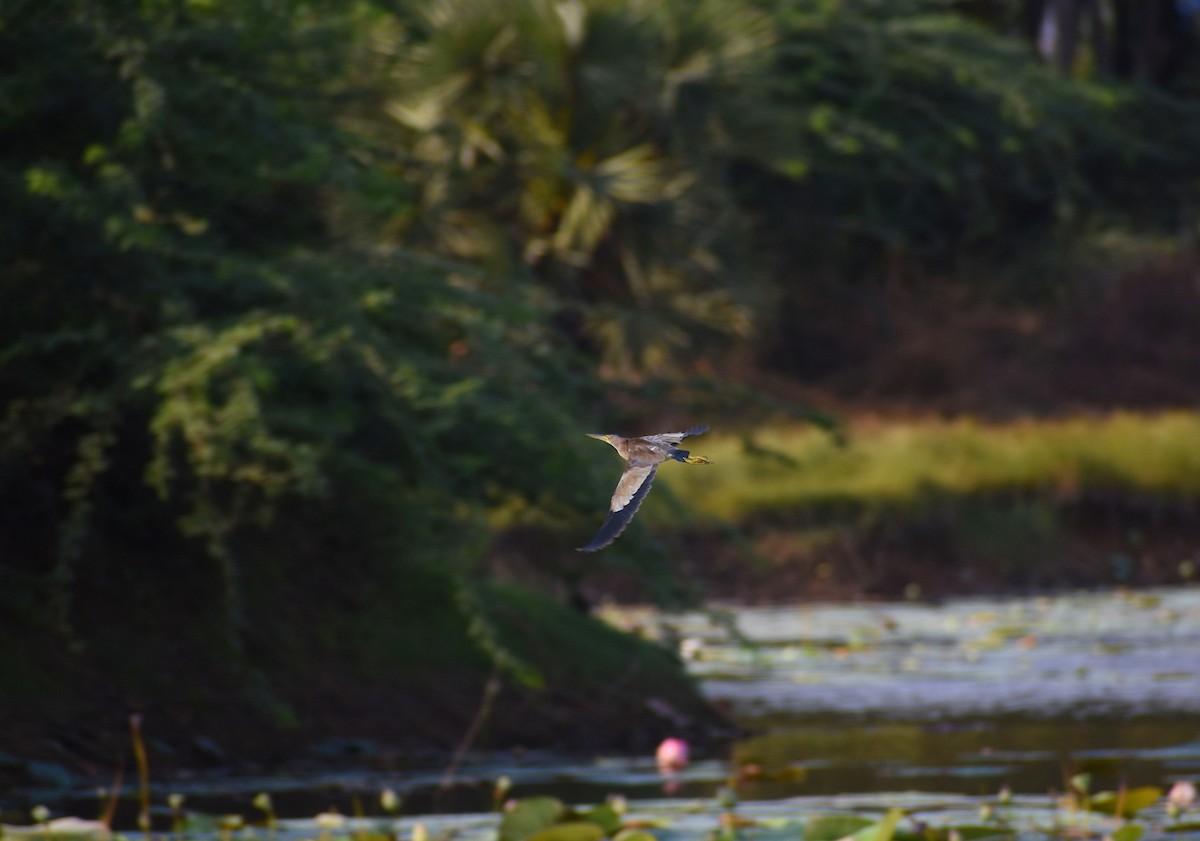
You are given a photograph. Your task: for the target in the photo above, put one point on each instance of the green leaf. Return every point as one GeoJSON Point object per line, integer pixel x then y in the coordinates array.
{"type": "Point", "coordinates": [834, 827]}
{"type": "Point", "coordinates": [529, 817]}
{"type": "Point", "coordinates": [882, 831]}
{"type": "Point", "coordinates": [1130, 802]}
{"type": "Point", "coordinates": [1129, 832]}
{"type": "Point", "coordinates": [571, 831]}
{"type": "Point", "coordinates": [604, 817]}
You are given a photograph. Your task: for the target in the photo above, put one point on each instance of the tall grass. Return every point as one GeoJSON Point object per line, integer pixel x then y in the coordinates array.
{"type": "Point", "coordinates": [898, 463]}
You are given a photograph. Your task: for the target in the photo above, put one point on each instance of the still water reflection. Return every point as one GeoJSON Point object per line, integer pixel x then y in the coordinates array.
{"type": "Point", "coordinates": [934, 708]}
{"type": "Point", "coordinates": [1088, 654]}
{"type": "Point", "coordinates": [966, 696]}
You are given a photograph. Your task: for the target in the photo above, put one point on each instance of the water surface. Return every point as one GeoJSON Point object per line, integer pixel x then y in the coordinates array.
{"type": "Point", "coordinates": [851, 709]}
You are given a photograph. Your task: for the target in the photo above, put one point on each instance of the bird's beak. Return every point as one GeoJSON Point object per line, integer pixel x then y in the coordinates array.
{"type": "Point", "coordinates": [597, 437]}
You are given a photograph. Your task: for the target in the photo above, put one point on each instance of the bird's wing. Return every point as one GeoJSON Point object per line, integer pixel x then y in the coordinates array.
{"type": "Point", "coordinates": [631, 490]}
{"type": "Point", "coordinates": [676, 437]}
{"type": "Point", "coordinates": [633, 485]}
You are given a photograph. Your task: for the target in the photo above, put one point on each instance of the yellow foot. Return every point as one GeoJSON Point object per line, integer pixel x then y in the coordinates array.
{"type": "Point", "coordinates": [697, 460]}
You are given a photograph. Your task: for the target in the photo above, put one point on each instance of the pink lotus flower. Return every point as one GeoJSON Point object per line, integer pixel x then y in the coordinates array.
{"type": "Point", "coordinates": [1182, 795]}
{"type": "Point", "coordinates": [672, 756]}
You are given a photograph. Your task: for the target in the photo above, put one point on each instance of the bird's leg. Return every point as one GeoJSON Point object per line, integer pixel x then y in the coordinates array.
{"type": "Point", "coordinates": [687, 458]}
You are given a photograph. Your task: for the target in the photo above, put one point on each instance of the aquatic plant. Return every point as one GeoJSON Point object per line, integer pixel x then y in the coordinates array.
{"type": "Point", "coordinates": [671, 756]}
{"type": "Point", "coordinates": [1180, 798]}
{"type": "Point", "coordinates": [544, 818]}
{"type": "Point", "coordinates": [262, 801]}
{"type": "Point", "coordinates": [549, 819]}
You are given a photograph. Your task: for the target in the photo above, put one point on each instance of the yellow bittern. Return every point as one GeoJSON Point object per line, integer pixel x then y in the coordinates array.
{"type": "Point", "coordinates": [643, 455]}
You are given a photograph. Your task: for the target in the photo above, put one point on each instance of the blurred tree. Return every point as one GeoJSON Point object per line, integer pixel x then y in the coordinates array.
{"type": "Point", "coordinates": [266, 259]}
{"type": "Point", "coordinates": [904, 127]}
{"type": "Point", "coordinates": [1147, 41]}
{"type": "Point", "coordinates": [193, 357]}
{"type": "Point", "coordinates": [581, 140]}
{"type": "Point", "coordinates": [891, 142]}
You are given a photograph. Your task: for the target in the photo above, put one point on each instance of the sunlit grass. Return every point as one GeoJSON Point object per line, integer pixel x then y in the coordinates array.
{"type": "Point", "coordinates": [907, 462]}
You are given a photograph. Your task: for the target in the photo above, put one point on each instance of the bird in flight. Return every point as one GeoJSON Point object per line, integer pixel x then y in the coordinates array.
{"type": "Point", "coordinates": [643, 456]}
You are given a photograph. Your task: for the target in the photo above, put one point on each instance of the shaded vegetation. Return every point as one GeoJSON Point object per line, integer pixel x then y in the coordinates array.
{"type": "Point", "coordinates": [299, 300]}
{"type": "Point", "coordinates": [215, 405]}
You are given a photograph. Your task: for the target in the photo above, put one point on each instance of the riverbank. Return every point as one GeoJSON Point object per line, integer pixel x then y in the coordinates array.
{"type": "Point", "coordinates": [933, 508]}
{"type": "Point", "coordinates": [571, 682]}
{"type": "Point", "coordinates": [980, 451]}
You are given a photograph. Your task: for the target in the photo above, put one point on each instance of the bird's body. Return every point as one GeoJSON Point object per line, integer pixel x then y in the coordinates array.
{"type": "Point", "coordinates": [643, 456]}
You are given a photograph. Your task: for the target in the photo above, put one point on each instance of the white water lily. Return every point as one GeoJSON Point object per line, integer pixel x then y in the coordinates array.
{"type": "Point", "coordinates": [330, 820]}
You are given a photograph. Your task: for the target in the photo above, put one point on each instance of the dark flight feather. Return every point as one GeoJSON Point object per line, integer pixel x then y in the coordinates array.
{"type": "Point", "coordinates": [619, 518]}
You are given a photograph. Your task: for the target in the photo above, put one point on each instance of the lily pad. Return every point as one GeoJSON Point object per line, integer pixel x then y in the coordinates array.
{"type": "Point", "coordinates": [604, 817]}
{"type": "Point", "coordinates": [529, 817]}
{"type": "Point", "coordinates": [1129, 802]}
{"type": "Point", "coordinates": [570, 831]}
{"type": "Point", "coordinates": [834, 827]}
{"type": "Point", "coordinates": [1129, 832]}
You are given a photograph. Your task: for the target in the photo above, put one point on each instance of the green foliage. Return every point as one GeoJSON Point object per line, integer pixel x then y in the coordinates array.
{"type": "Point", "coordinates": [580, 142]}
{"type": "Point", "coordinates": [547, 634]}
{"type": "Point", "coordinates": [548, 819]}
{"type": "Point", "coordinates": [907, 126]}
{"type": "Point", "coordinates": [531, 815]}
{"type": "Point", "coordinates": [289, 288]}
{"type": "Point", "coordinates": [891, 139]}
{"type": "Point", "coordinates": [832, 827]}
{"type": "Point", "coordinates": [190, 353]}
{"type": "Point", "coordinates": [884, 830]}
{"type": "Point", "coordinates": [1125, 803]}
{"type": "Point", "coordinates": [572, 831]}
{"type": "Point", "coordinates": [1129, 832]}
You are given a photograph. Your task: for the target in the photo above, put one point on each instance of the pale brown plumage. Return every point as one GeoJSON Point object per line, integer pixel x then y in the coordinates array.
{"type": "Point", "coordinates": [643, 456]}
